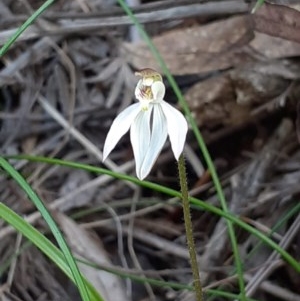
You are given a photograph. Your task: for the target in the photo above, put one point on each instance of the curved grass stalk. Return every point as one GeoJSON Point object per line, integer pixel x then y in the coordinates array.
{"type": "Point", "coordinates": [24, 26]}
{"type": "Point", "coordinates": [80, 283]}
{"type": "Point", "coordinates": [199, 204]}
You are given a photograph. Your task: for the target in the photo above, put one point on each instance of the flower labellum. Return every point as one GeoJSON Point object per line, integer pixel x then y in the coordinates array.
{"type": "Point", "coordinates": [150, 122]}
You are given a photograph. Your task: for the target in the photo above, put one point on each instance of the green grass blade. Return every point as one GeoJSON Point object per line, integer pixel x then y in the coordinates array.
{"type": "Point", "coordinates": [56, 256]}
{"type": "Point", "coordinates": [170, 192]}
{"type": "Point", "coordinates": [23, 27]}
{"type": "Point", "coordinates": [258, 4]}
{"type": "Point", "coordinates": [52, 225]}
{"type": "Point", "coordinates": [161, 283]}
{"type": "Point", "coordinates": [293, 211]}
{"type": "Point", "coordinates": [47, 247]}
{"type": "Point", "coordinates": [199, 139]}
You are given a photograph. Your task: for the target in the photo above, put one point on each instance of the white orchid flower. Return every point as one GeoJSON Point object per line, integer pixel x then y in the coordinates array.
{"type": "Point", "coordinates": [150, 122]}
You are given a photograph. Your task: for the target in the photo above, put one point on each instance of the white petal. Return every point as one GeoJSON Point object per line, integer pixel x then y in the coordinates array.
{"type": "Point", "coordinates": [119, 127]}
{"type": "Point", "coordinates": [158, 90]}
{"type": "Point", "coordinates": [158, 138]}
{"type": "Point", "coordinates": [140, 138]}
{"type": "Point", "coordinates": [177, 128]}
{"type": "Point", "coordinates": [137, 91]}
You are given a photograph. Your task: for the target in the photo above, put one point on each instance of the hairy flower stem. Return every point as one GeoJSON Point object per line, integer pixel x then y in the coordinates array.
{"type": "Point", "coordinates": [189, 228]}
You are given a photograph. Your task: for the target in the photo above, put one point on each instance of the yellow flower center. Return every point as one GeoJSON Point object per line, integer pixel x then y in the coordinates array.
{"type": "Point", "coordinates": [149, 76]}
{"type": "Point", "coordinates": [146, 92]}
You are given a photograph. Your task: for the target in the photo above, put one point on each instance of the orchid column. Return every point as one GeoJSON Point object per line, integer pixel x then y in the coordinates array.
{"type": "Point", "coordinates": [150, 122]}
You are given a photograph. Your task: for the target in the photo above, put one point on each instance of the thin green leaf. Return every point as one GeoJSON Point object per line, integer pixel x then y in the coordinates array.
{"type": "Point", "coordinates": [52, 225]}
{"type": "Point", "coordinates": [280, 222]}
{"type": "Point", "coordinates": [47, 247]}
{"type": "Point", "coordinates": [23, 27]}
{"type": "Point", "coordinates": [258, 4]}
{"type": "Point", "coordinates": [161, 283]}
{"type": "Point", "coordinates": [168, 191]}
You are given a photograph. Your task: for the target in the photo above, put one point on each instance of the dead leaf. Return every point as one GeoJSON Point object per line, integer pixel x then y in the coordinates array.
{"type": "Point", "coordinates": [229, 98]}
{"type": "Point", "coordinates": [75, 179]}
{"type": "Point", "coordinates": [215, 46]}
{"type": "Point", "coordinates": [278, 21]}
{"type": "Point", "coordinates": [85, 246]}
{"type": "Point", "coordinates": [196, 49]}
{"type": "Point", "coordinates": [209, 99]}
{"type": "Point", "coordinates": [256, 84]}
{"type": "Point", "coordinates": [273, 47]}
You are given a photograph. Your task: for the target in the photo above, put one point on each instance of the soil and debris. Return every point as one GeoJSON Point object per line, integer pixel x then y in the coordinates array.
{"type": "Point", "coordinates": [69, 75]}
